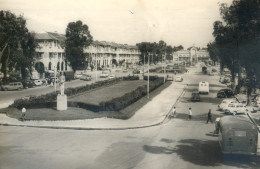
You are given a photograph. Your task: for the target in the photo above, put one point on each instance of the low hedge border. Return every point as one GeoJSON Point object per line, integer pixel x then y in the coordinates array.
{"type": "Point", "coordinates": [49, 100]}
{"type": "Point", "coordinates": [119, 103]}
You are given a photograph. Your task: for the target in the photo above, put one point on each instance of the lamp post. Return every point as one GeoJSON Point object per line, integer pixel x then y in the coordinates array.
{"type": "Point", "coordinates": [96, 62]}
{"type": "Point", "coordinates": [148, 77]}
{"type": "Point", "coordinates": [55, 72]}
{"type": "Point", "coordinates": [164, 68]}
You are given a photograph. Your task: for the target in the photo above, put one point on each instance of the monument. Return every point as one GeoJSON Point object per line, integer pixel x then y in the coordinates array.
{"type": "Point", "coordinates": [62, 98]}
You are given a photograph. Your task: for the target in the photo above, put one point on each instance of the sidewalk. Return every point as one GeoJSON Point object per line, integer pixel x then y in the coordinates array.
{"type": "Point", "coordinates": [153, 113]}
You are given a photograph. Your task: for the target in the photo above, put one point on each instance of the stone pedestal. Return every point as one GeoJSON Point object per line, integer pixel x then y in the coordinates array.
{"type": "Point", "coordinates": [62, 102]}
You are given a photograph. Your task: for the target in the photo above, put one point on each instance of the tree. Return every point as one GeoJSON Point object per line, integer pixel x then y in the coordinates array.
{"type": "Point", "coordinates": [169, 51]}
{"type": "Point", "coordinates": [145, 49]}
{"type": "Point", "coordinates": [237, 39]}
{"type": "Point", "coordinates": [17, 44]}
{"type": "Point", "coordinates": [77, 38]}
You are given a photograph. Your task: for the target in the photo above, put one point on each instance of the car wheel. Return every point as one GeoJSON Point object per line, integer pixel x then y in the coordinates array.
{"type": "Point", "coordinates": [6, 89]}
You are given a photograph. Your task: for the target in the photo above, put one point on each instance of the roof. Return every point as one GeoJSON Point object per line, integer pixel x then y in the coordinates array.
{"type": "Point", "coordinates": [50, 36]}
{"type": "Point", "coordinates": [62, 38]}
{"type": "Point", "coordinates": [113, 45]}
{"type": "Point", "coordinates": [236, 122]}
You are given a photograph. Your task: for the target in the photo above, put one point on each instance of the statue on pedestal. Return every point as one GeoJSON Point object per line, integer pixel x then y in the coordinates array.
{"type": "Point", "coordinates": [62, 98]}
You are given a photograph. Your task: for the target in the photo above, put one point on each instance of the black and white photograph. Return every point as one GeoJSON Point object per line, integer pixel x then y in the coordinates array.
{"type": "Point", "coordinates": [129, 84]}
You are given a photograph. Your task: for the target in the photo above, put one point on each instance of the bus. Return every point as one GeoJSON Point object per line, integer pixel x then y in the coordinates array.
{"type": "Point", "coordinates": [237, 135]}
{"type": "Point", "coordinates": [204, 87]}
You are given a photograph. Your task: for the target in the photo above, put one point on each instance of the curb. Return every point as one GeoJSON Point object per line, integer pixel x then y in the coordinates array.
{"type": "Point", "coordinates": [89, 128]}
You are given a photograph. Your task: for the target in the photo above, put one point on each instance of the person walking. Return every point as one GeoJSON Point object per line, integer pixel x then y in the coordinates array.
{"type": "Point", "coordinates": [209, 116]}
{"type": "Point", "coordinates": [173, 112]}
{"type": "Point", "coordinates": [190, 114]}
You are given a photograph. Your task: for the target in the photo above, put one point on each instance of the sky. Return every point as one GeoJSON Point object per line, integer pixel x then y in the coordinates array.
{"type": "Point", "coordinates": [177, 22]}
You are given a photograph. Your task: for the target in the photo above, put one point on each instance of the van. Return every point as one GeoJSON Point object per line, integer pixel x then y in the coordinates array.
{"type": "Point", "coordinates": [237, 135]}
{"type": "Point", "coordinates": [204, 87]}
{"type": "Point", "coordinates": [13, 86]}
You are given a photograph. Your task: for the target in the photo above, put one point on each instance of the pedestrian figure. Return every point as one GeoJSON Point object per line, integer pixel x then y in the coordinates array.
{"type": "Point", "coordinates": [190, 114]}
{"type": "Point", "coordinates": [209, 116]}
{"type": "Point", "coordinates": [173, 112]}
{"type": "Point", "coordinates": [23, 114]}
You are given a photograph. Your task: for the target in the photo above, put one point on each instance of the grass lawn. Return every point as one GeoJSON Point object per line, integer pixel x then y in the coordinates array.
{"type": "Point", "coordinates": [103, 94]}
{"type": "Point", "coordinates": [74, 113]}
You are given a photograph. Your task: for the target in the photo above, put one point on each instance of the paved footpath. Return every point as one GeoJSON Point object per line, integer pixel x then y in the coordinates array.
{"type": "Point", "coordinates": [153, 113]}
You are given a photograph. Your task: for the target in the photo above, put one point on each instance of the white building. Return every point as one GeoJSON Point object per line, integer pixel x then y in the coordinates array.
{"type": "Point", "coordinates": [51, 53]}
{"type": "Point", "coordinates": [105, 52]}
{"type": "Point", "coordinates": [190, 56]}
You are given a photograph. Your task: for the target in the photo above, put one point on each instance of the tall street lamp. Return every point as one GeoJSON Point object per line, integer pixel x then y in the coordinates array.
{"type": "Point", "coordinates": [148, 77]}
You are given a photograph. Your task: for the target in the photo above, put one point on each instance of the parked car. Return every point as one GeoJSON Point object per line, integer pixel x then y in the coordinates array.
{"type": "Point", "coordinates": [78, 74]}
{"type": "Point", "coordinates": [214, 70]}
{"type": "Point", "coordinates": [38, 82]}
{"type": "Point", "coordinates": [223, 93]}
{"type": "Point", "coordinates": [178, 79]}
{"type": "Point", "coordinates": [104, 75]}
{"type": "Point", "coordinates": [85, 77]}
{"type": "Point", "coordinates": [195, 97]}
{"type": "Point", "coordinates": [238, 108]}
{"type": "Point", "coordinates": [170, 78]}
{"type": "Point", "coordinates": [111, 76]}
{"type": "Point", "coordinates": [13, 86]}
{"type": "Point", "coordinates": [226, 102]}
{"type": "Point", "coordinates": [28, 84]}
{"type": "Point", "coordinates": [125, 70]}
{"type": "Point", "coordinates": [136, 71]}
{"type": "Point", "coordinates": [53, 79]}
{"type": "Point", "coordinates": [232, 108]}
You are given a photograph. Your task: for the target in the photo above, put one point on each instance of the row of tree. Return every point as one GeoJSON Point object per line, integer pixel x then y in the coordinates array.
{"type": "Point", "coordinates": [237, 40]}
{"type": "Point", "coordinates": [157, 51]}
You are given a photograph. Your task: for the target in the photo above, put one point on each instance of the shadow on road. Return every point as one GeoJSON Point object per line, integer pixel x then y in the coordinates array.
{"type": "Point", "coordinates": [205, 153]}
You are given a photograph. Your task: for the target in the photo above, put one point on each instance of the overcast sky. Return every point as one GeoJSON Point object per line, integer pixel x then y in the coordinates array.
{"type": "Point", "coordinates": [177, 22]}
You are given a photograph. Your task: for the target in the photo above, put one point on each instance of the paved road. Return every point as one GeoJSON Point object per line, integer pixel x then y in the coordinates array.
{"type": "Point", "coordinates": [175, 144]}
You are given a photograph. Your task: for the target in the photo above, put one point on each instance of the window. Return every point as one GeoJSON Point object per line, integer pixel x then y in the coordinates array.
{"type": "Point", "coordinates": [50, 55]}
{"type": "Point", "coordinates": [49, 66]}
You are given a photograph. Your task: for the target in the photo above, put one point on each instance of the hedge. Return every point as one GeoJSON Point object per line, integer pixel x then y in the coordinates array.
{"type": "Point", "coordinates": [151, 78]}
{"type": "Point", "coordinates": [49, 99]}
{"type": "Point", "coordinates": [129, 98]}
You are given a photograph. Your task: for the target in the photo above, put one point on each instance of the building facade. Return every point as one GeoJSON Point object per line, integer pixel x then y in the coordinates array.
{"type": "Point", "coordinates": [107, 54]}
{"type": "Point", "coordinates": [51, 53]}
{"type": "Point", "coordinates": [193, 55]}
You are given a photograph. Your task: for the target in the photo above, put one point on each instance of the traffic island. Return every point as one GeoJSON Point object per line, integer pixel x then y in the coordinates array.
{"type": "Point", "coordinates": [48, 111]}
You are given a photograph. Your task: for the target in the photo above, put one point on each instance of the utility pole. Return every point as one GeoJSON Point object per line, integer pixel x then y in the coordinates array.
{"type": "Point", "coordinates": [164, 68]}
{"type": "Point", "coordinates": [96, 64]}
{"type": "Point", "coordinates": [148, 78]}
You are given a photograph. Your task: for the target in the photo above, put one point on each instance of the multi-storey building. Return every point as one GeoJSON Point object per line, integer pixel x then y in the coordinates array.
{"type": "Point", "coordinates": [106, 54]}
{"type": "Point", "coordinates": [51, 52]}
{"type": "Point", "coordinates": [192, 55]}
